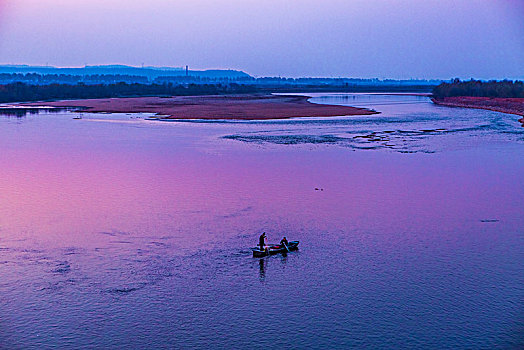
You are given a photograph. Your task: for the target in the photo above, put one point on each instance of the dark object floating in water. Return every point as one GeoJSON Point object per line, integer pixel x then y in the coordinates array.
{"type": "Point", "coordinates": [319, 189]}
{"type": "Point", "coordinates": [490, 220]}
{"type": "Point", "coordinates": [123, 290]}
{"type": "Point", "coordinates": [63, 268]}
{"type": "Point", "coordinates": [274, 249]}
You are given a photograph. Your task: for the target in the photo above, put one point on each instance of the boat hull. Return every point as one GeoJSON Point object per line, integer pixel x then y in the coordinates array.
{"type": "Point", "coordinates": [274, 249]}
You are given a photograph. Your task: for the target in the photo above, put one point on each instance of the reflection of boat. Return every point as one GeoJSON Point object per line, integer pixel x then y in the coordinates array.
{"type": "Point", "coordinates": [262, 269]}
{"type": "Point", "coordinates": [274, 249]}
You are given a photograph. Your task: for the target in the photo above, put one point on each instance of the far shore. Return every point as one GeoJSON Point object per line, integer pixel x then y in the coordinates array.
{"type": "Point", "coordinates": [497, 104]}
{"type": "Point", "coordinates": [245, 107]}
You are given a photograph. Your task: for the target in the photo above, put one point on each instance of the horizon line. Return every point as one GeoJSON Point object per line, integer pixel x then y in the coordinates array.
{"type": "Point", "coordinates": [15, 65]}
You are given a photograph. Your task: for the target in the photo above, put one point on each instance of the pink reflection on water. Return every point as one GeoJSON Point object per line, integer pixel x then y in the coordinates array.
{"type": "Point", "coordinates": [65, 197]}
{"type": "Point", "coordinates": [138, 224]}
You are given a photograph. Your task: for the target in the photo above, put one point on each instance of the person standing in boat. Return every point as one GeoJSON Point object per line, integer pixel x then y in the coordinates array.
{"type": "Point", "coordinates": [283, 241]}
{"type": "Point", "coordinates": [262, 241]}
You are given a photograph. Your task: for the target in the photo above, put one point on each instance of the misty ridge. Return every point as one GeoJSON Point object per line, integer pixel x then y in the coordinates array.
{"type": "Point", "coordinates": [121, 70]}
{"type": "Point", "coordinates": [110, 74]}
{"type": "Point", "coordinates": [21, 83]}
{"type": "Point", "coordinates": [27, 83]}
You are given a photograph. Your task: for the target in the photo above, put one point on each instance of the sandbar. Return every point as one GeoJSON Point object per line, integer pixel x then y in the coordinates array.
{"type": "Point", "coordinates": [247, 107]}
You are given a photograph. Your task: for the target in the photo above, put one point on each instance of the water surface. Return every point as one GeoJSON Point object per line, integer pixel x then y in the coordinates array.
{"type": "Point", "coordinates": [119, 232]}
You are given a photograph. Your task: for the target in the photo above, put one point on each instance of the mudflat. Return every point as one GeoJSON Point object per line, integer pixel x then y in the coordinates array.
{"type": "Point", "coordinates": [248, 106]}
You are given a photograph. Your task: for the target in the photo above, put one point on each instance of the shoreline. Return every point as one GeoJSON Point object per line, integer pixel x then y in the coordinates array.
{"type": "Point", "coordinates": [496, 104]}
{"type": "Point", "coordinates": [236, 107]}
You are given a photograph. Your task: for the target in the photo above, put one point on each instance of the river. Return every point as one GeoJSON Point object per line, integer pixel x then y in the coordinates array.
{"type": "Point", "coordinates": [122, 232]}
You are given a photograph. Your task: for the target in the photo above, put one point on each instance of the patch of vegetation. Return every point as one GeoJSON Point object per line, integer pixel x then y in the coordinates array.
{"type": "Point", "coordinates": [478, 88]}
{"type": "Point", "coordinates": [21, 92]}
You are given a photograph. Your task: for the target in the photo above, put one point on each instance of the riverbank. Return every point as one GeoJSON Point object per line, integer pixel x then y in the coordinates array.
{"type": "Point", "coordinates": [497, 104]}
{"type": "Point", "coordinates": [246, 107]}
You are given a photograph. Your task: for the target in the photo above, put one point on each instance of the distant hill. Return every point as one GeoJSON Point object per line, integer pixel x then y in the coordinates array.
{"type": "Point", "coordinates": [149, 72]}
{"type": "Point", "coordinates": [114, 74]}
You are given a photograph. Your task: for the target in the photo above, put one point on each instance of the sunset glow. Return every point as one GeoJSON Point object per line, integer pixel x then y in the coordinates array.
{"type": "Point", "coordinates": [245, 174]}
{"type": "Point", "coordinates": [421, 39]}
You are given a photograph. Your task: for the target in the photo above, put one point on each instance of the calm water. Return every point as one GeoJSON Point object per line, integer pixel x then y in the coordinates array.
{"type": "Point", "coordinates": [120, 232]}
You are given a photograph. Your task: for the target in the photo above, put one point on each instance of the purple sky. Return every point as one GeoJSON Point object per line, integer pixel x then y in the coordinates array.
{"type": "Point", "coordinates": [354, 38]}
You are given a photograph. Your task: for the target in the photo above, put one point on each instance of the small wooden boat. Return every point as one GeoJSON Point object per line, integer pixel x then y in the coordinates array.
{"type": "Point", "coordinates": [274, 249]}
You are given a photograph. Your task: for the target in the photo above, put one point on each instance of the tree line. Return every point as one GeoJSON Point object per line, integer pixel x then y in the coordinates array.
{"type": "Point", "coordinates": [24, 92]}
{"type": "Point", "coordinates": [46, 79]}
{"type": "Point", "coordinates": [21, 92]}
{"type": "Point", "coordinates": [43, 79]}
{"type": "Point", "coordinates": [478, 88]}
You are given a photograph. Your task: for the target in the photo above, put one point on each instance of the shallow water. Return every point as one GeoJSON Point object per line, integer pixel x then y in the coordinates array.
{"type": "Point", "coordinates": [116, 231]}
